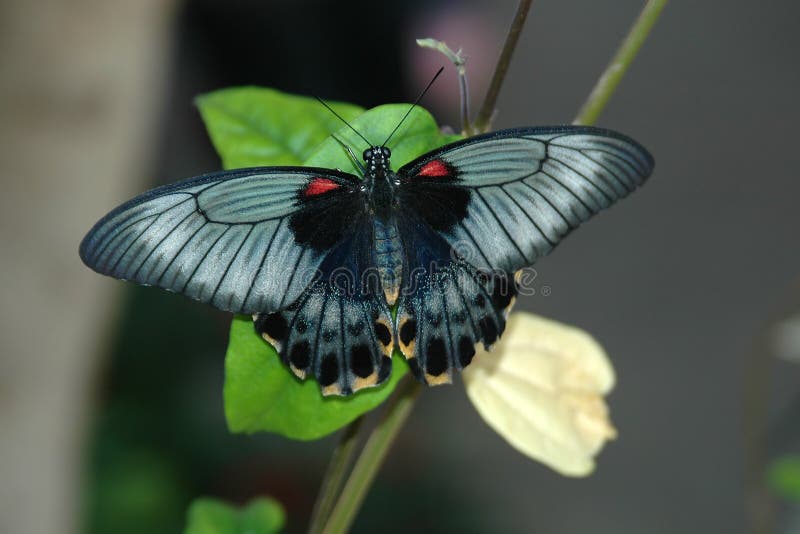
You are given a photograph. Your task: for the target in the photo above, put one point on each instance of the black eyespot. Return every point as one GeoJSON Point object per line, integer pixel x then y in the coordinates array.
{"type": "Point", "coordinates": [300, 355]}
{"type": "Point", "coordinates": [274, 325]}
{"type": "Point", "coordinates": [383, 334]}
{"type": "Point", "coordinates": [436, 357]}
{"type": "Point", "coordinates": [328, 370]}
{"type": "Point", "coordinates": [408, 331]}
{"type": "Point", "coordinates": [361, 361]}
{"type": "Point", "coordinates": [489, 331]}
{"type": "Point", "coordinates": [386, 152]}
{"type": "Point", "coordinates": [466, 351]}
{"type": "Point", "coordinates": [367, 154]}
{"type": "Point", "coordinates": [502, 293]}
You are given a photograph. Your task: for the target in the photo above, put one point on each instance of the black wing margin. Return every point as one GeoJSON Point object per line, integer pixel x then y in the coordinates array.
{"type": "Point", "coordinates": [505, 199]}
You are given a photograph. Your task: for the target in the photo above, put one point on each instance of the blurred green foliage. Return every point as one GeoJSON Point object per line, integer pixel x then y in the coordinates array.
{"type": "Point", "coordinates": [783, 476]}
{"type": "Point", "coordinates": [211, 516]}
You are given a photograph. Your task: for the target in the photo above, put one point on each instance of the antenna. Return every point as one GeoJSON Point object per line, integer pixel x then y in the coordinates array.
{"type": "Point", "coordinates": [342, 119]}
{"type": "Point", "coordinates": [353, 157]}
{"type": "Point", "coordinates": [414, 104]}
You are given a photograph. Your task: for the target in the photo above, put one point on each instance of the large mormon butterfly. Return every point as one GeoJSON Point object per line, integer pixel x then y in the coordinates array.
{"type": "Point", "coordinates": [339, 270]}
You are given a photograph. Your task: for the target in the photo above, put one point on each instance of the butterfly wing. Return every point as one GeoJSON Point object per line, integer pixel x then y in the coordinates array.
{"type": "Point", "coordinates": [339, 330]}
{"type": "Point", "coordinates": [446, 305]}
{"type": "Point", "coordinates": [286, 244]}
{"type": "Point", "coordinates": [505, 199]}
{"type": "Point", "coordinates": [474, 212]}
{"type": "Point", "coordinates": [245, 241]}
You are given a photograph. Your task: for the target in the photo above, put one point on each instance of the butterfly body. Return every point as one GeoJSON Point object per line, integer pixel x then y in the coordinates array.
{"type": "Point", "coordinates": [339, 271]}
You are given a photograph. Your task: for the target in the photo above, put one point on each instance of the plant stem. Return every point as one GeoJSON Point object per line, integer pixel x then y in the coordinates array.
{"type": "Point", "coordinates": [758, 371]}
{"type": "Point", "coordinates": [484, 118]}
{"type": "Point", "coordinates": [399, 408]}
{"type": "Point", "coordinates": [611, 77]}
{"type": "Point", "coordinates": [334, 476]}
{"type": "Point", "coordinates": [460, 64]}
{"type": "Point", "coordinates": [372, 457]}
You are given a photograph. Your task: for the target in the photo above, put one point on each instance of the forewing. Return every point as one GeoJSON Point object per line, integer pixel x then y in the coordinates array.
{"type": "Point", "coordinates": [244, 241]}
{"type": "Point", "coordinates": [505, 199]}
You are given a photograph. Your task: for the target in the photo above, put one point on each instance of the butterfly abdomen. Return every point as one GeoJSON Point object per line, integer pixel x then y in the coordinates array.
{"type": "Point", "coordinates": [388, 257]}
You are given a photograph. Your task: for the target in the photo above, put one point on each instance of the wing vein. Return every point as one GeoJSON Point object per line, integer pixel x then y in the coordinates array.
{"type": "Point", "coordinates": [613, 174]}
{"type": "Point", "coordinates": [230, 263]}
{"type": "Point", "coordinates": [203, 259]}
{"type": "Point", "coordinates": [134, 240]}
{"type": "Point", "coordinates": [527, 215]}
{"type": "Point", "coordinates": [586, 178]}
{"type": "Point", "coordinates": [160, 242]}
{"type": "Point", "coordinates": [530, 186]}
{"type": "Point", "coordinates": [503, 227]}
{"type": "Point", "coordinates": [180, 251]}
{"type": "Point", "coordinates": [568, 190]}
{"type": "Point", "coordinates": [261, 263]}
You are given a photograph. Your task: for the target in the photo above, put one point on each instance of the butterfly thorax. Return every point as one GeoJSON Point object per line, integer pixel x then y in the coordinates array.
{"type": "Point", "coordinates": [387, 250]}
{"type": "Point", "coordinates": [379, 181]}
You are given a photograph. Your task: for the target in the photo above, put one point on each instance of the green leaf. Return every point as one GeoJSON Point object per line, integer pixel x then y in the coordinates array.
{"type": "Point", "coordinates": [783, 476]}
{"type": "Point", "coordinates": [211, 516]}
{"type": "Point", "coordinates": [254, 126]}
{"type": "Point", "coordinates": [261, 394]}
{"type": "Point", "coordinates": [418, 134]}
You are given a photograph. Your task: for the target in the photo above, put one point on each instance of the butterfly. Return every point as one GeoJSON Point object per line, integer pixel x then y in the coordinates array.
{"type": "Point", "coordinates": [339, 271]}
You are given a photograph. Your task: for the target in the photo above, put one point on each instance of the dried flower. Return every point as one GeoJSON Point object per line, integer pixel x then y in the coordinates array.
{"type": "Point", "coordinates": [542, 389]}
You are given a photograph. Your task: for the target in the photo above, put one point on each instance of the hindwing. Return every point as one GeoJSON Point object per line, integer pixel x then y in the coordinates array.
{"type": "Point", "coordinates": [339, 330]}
{"type": "Point", "coordinates": [446, 306]}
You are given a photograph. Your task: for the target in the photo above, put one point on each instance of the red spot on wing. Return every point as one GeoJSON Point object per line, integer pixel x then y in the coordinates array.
{"type": "Point", "coordinates": [436, 169]}
{"type": "Point", "coordinates": [317, 186]}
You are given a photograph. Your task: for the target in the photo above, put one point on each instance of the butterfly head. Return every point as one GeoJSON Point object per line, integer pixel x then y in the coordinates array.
{"type": "Point", "coordinates": [377, 158]}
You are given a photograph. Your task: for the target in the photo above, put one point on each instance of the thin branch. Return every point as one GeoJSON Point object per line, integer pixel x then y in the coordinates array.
{"type": "Point", "coordinates": [760, 505]}
{"type": "Point", "coordinates": [335, 476]}
{"type": "Point", "coordinates": [381, 438]}
{"type": "Point", "coordinates": [459, 61]}
{"type": "Point", "coordinates": [372, 457]}
{"type": "Point", "coordinates": [627, 51]}
{"type": "Point", "coordinates": [484, 118]}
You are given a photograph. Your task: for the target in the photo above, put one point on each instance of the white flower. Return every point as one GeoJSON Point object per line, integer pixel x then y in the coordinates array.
{"type": "Point", "coordinates": [542, 388]}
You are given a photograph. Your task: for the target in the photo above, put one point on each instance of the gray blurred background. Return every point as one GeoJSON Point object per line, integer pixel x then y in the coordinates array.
{"type": "Point", "coordinates": [111, 416]}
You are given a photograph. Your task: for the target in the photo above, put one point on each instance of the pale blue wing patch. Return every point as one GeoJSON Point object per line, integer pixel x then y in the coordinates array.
{"type": "Point", "coordinates": [529, 187]}
{"type": "Point", "coordinates": [223, 238]}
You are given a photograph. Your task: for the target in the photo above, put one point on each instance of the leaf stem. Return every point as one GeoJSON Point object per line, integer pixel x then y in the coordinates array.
{"type": "Point", "coordinates": [619, 64]}
{"type": "Point", "coordinates": [372, 457]}
{"type": "Point", "coordinates": [484, 118]}
{"type": "Point", "coordinates": [335, 475]}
